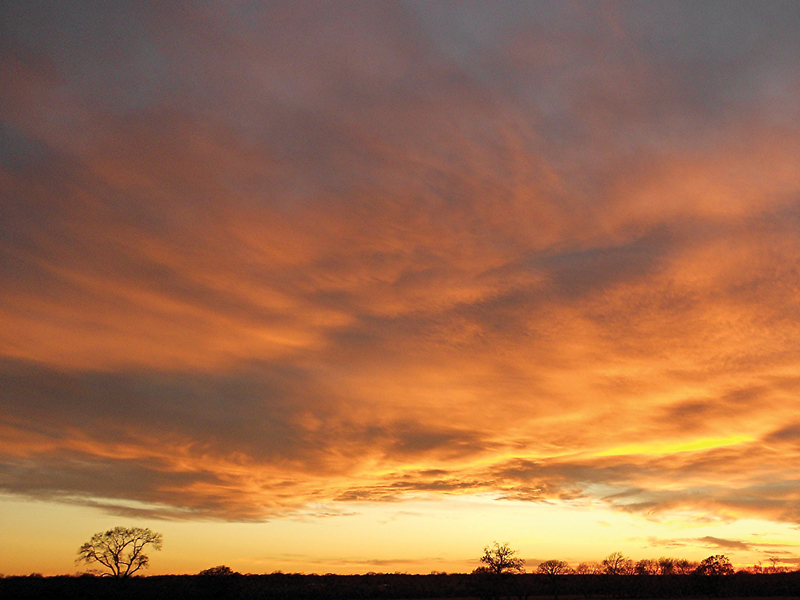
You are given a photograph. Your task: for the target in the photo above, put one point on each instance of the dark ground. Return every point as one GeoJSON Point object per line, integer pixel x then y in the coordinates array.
{"type": "Point", "coordinates": [279, 586]}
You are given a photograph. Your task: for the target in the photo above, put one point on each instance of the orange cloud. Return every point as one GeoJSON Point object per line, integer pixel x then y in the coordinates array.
{"type": "Point", "coordinates": [243, 273]}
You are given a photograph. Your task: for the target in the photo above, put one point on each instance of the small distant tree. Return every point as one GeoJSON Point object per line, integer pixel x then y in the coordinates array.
{"type": "Point", "coordinates": [666, 566]}
{"type": "Point", "coordinates": [684, 567]}
{"type": "Point", "coordinates": [120, 550]}
{"type": "Point", "coordinates": [756, 569]}
{"type": "Point", "coordinates": [589, 568]}
{"type": "Point", "coordinates": [647, 567]}
{"type": "Point", "coordinates": [773, 566]}
{"type": "Point", "coordinates": [221, 570]}
{"type": "Point", "coordinates": [617, 564]}
{"type": "Point", "coordinates": [500, 559]}
{"type": "Point", "coordinates": [553, 568]}
{"type": "Point", "coordinates": [715, 565]}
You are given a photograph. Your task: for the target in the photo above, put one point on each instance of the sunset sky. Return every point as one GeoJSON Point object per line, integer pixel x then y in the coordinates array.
{"type": "Point", "coordinates": [366, 286]}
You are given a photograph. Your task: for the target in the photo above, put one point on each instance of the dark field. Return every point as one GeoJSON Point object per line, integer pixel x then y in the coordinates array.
{"type": "Point", "coordinates": [346, 587]}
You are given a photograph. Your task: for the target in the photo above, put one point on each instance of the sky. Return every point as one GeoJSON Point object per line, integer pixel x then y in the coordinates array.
{"type": "Point", "coordinates": [366, 286]}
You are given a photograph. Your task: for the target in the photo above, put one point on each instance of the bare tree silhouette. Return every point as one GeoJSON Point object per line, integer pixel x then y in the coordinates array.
{"type": "Point", "coordinates": [500, 559]}
{"type": "Point", "coordinates": [589, 568]}
{"type": "Point", "coordinates": [684, 567]}
{"type": "Point", "coordinates": [617, 564]}
{"type": "Point", "coordinates": [553, 568]}
{"type": "Point", "coordinates": [648, 566]}
{"type": "Point", "coordinates": [120, 550]}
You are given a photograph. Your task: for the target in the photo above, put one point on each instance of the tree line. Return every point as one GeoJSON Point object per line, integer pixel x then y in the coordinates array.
{"type": "Point", "coordinates": [501, 559]}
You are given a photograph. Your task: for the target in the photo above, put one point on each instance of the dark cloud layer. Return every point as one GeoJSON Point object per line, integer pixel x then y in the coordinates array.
{"type": "Point", "coordinates": [254, 256]}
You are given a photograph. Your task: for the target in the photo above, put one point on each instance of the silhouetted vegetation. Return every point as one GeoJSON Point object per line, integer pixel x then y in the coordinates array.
{"type": "Point", "coordinates": [280, 586]}
{"type": "Point", "coordinates": [715, 565]}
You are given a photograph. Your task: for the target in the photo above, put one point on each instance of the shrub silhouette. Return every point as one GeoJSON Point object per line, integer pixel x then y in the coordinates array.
{"type": "Point", "coordinates": [221, 570]}
{"type": "Point", "coordinates": [714, 566]}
